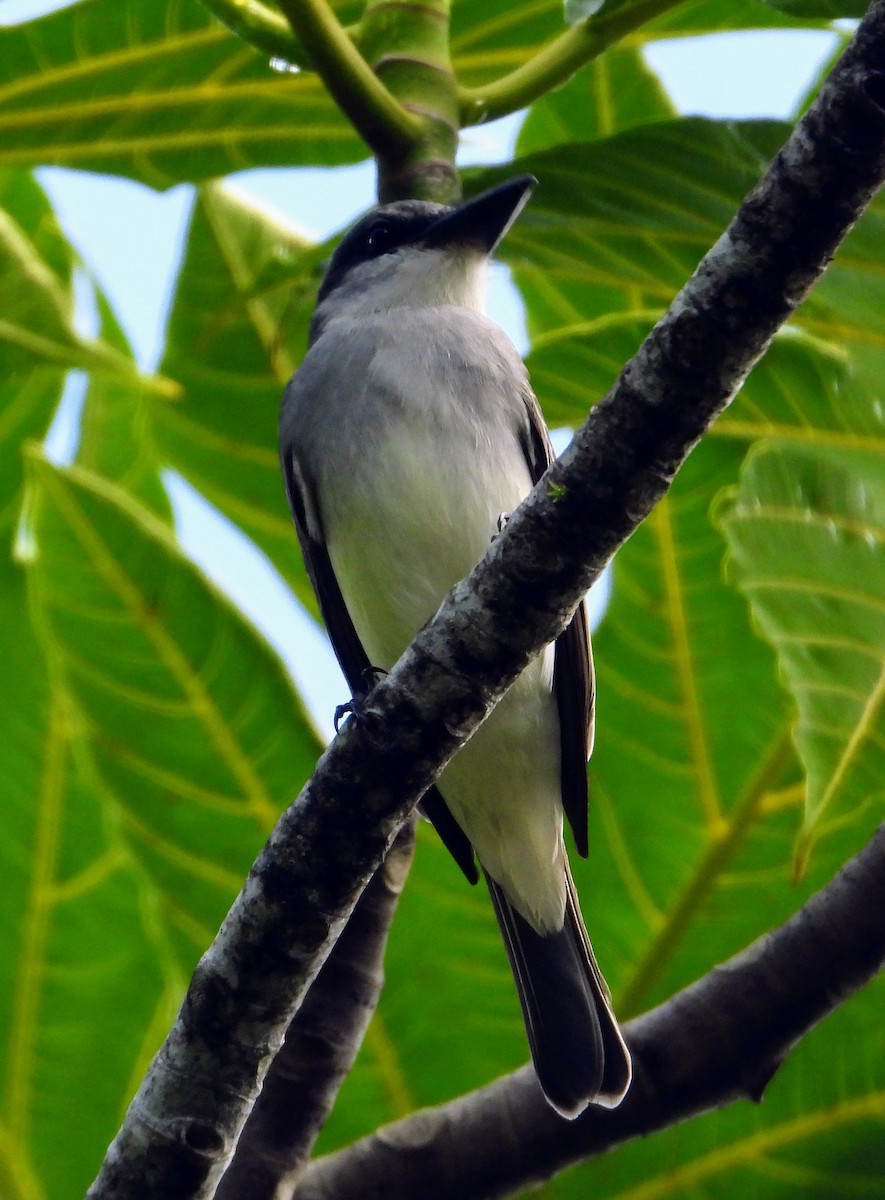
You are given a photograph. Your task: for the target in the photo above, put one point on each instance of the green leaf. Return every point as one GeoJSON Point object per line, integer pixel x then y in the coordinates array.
{"type": "Point", "coordinates": [616, 91]}
{"type": "Point", "coordinates": [668, 728]}
{"type": "Point", "coordinates": [27, 205]}
{"type": "Point", "coordinates": [573, 368]}
{"type": "Point", "coordinates": [619, 224]}
{"type": "Point", "coordinates": [115, 427]}
{"type": "Point", "coordinates": [193, 764]}
{"type": "Point", "coordinates": [27, 403]}
{"type": "Point", "coordinates": [88, 987]}
{"type": "Point", "coordinates": [164, 93]}
{"type": "Point", "coordinates": [36, 298]}
{"type": "Point", "coordinates": [25, 704]}
{"type": "Point", "coordinates": [807, 393]}
{"type": "Point", "coordinates": [806, 530]}
{"type": "Point", "coordinates": [721, 16]}
{"type": "Point", "coordinates": [819, 8]}
{"type": "Point", "coordinates": [845, 307]}
{"type": "Point", "coordinates": [119, 857]}
{"type": "Point", "coordinates": [810, 393]}
{"type": "Point", "coordinates": [802, 389]}
{"type": "Point", "coordinates": [158, 92]}
{"type": "Point", "coordinates": [232, 358]}
{"type": "Point", "coordinates": [37, 316]}
{"type": "Point", "coordinates": [497, 36]}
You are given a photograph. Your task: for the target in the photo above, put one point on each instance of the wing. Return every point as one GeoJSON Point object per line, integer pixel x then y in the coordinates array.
{"type": "Point", "coordinates": [348, 648]}
{"type": "Point", "coordinates": [573, 677]}
{"type": "Point", "coordinates": [347, 645]}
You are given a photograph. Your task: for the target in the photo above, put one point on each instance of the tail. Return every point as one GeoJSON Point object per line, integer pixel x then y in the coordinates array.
{"type": "Point", "coordinates": [579, 1054]}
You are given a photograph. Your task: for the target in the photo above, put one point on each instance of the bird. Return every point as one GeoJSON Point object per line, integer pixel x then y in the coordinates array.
{"type": "Point", "coordinates": [407, 434]}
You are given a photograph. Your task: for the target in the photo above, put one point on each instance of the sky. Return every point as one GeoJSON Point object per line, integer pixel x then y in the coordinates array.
{"type": "Point", "coordinates": [130, 239]}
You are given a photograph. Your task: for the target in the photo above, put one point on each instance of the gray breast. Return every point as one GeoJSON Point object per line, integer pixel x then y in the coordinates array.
{"type": "Point", "coordinates": [448, 373]}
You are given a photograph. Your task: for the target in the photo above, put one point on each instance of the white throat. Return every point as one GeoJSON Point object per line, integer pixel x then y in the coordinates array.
{"type": "Point", "coordinates": [413, 278]}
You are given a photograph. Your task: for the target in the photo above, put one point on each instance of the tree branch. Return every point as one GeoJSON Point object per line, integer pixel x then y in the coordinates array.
{"type": "Point", "coordinates": [555, 63]}
{"type": "Point", "coordinates": [720, 1040]}
{"type": "Point", "coordinates": [321, 1042]}
{"type": "Point", "coordinates": [183, 1125]}
{"type": "Point", "coordinates": [376, 115]}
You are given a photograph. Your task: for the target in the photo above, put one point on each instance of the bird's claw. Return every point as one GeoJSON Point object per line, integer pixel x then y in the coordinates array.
{"type": "Point", "coordinates": [354, 706]}
{"type": "Point", "coordinates": [343, 710]}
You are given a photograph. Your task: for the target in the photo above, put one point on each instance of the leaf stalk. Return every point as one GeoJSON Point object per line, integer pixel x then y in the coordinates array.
{"type": "Point", "coordinates": [378, 117]}
{"type": "Point", "coordinates": [555, 63]}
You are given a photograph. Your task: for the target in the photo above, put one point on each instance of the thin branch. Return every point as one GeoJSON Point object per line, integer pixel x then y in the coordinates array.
{"type": "Point", "coordinates": [183, 1125]}
{"type": "Point", "coordinates": [376, 115]}
{"type": "Point", "coordinates": [261, 26]}
{"type": "Point", "coordinates": [556, 62]}
{"type": "Point", "coordinates": [720, 1040]}
{"type": "Point", "coordinates": [321, 1043]}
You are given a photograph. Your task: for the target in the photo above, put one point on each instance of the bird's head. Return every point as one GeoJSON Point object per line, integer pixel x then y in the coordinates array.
{"type": "Point", "coordinates": [415, 254]}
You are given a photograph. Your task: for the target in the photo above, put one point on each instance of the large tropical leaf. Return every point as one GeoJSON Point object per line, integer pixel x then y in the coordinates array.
{"type": "Point", "coordinates": [27, 403]}
{"type": "Point", "coordinates": [807, 534]}
{"type": "Point", "coordinates": [158, 92]}
{"type": "Point", "coordinates": [803, 389]}
{"type": "Point", "coordinates": [149, 736]}
{"type": "Point", "coordinates": [490, 39]}
{"type": "Point", "coordinates": [164, 93]}
{"type": "Point", "coordinates": [237, 329]}
{"type": "Point", "coordinates": [803, 531]}
{"type": "Point", "coordinates": [37, 325]}
{"type": "Point", "coordinates": [614, 92]}
{"type": "Point", "coordinates": [116, 435]}
{"type": "Point", "coordinates": [193, 729]}
{"type": "Point", "coordinates": [819, 8]}
{"type": "Point", "coordinates": [89, 985]}
{"type": "Point", "coordinates": [618, 224]}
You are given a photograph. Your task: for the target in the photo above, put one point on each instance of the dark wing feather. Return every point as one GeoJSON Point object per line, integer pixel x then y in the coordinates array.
{"type": "Point", "coordinates": [573, 683]}
{"type": "Point", "coordinates": [347, 646]}
{"type": "Point", "coordinates": [573, 678]}
{"type": "Point", "coordinates": [351, 655]}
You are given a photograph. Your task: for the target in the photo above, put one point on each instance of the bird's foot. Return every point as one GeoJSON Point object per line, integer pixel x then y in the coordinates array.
{"type": "Point", "coordinates": [354, 706]}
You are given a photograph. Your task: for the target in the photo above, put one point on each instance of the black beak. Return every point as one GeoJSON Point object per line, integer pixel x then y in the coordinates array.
{"type": "Point", "coordinates": [483, 221]}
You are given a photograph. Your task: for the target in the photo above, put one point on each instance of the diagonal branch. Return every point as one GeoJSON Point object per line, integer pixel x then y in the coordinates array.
{"type": "Point", "coordinates": [717, 1041]}
{"type": "Point", "coordinates": [321, 1042]}
{"type": "Point", "coordinates": [183, 1125]}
